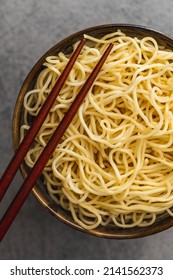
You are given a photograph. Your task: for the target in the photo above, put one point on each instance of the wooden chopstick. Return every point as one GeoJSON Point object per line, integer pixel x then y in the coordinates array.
{"type": "Point", "coordinates": [32, 132]}
{"type": "Point", "coordinates": [48, 150]}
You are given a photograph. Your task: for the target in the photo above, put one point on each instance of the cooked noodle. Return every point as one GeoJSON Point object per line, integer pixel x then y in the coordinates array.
{"type": "Point", "coordinates": [114, 163]}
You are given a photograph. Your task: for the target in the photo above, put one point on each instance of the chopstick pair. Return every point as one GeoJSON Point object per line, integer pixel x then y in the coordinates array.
{"type": "Point", "coordinates": [36, 171]}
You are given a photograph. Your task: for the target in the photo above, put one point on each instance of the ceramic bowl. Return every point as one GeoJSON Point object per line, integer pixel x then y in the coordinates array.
{"type": "Point", "coordinates": [164, 221]}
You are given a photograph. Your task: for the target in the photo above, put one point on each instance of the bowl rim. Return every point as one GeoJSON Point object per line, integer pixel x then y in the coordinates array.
{"type": "Point", "coordinates": [150, 230]}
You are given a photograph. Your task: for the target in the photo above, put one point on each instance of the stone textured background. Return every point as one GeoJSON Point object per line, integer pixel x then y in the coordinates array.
{"type": "Point", "coordinates": [27, 29]}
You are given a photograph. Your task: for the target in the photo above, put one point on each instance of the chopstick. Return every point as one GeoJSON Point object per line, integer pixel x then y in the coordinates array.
{"type": "Point", "coordinates": [36, 171]}
{"type": "Point", "coordinates": [32, 132]}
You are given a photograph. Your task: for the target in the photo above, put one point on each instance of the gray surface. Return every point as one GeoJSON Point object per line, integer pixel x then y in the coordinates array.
{"type": "Point", "coordinates": [27, 29]}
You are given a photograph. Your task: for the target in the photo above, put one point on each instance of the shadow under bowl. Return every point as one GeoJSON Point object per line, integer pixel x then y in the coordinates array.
{"type": "Point", "coordinates": [163, 221]}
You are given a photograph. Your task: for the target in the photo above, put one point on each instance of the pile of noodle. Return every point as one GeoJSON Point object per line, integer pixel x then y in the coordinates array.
{"type": "Point", "coordinates": [114, 164]}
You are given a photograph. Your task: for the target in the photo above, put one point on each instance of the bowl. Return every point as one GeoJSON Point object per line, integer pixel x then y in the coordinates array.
{"type": "Point", "coordinates": [162, 222]}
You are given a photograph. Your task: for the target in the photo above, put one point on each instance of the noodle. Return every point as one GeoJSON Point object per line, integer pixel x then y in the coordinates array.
{"type": "Point", "coordinates": [114, 163]}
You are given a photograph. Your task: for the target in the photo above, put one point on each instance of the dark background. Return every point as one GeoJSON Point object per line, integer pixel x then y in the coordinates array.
{"type": "Point", "coordinates": [27, 29]}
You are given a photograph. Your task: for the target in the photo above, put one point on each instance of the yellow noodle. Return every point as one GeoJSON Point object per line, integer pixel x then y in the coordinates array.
{"type": "Point", "coordinates": [114, 163]}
